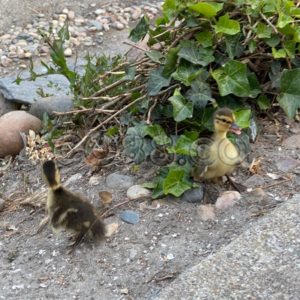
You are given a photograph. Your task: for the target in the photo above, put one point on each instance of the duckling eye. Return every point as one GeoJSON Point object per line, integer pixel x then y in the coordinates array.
{"type": "Point", "coordinates": [224, 120]}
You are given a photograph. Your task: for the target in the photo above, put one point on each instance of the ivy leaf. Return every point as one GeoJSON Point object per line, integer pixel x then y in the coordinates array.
{"type": "Point", "coordinates": [280, 53]}
{"type": "Point", "coordinates": [232, 79]}
{"type": "Point", "coordinates": [243, 117]}
{"type": "Point", "coordinates": [140, 30]}
{"type": "Point", "coordinates": [289, 98]}
{"type": "Point", "coordinates": [263, 102]}
{"type": "Point", "coordinates": [185, 145]}
{"type": "Point", "coordinates": [157, 81]}
{"type": "Point", "coordinates": [169, 8]}
{"type": "Point", "coordinates": [182, 109]}
{"type": "Point", "coordinates": [205, 38]}
{"type": "Point", "coordinates": [155, 55]}
{"type": "Point", "coordinates": [263, 31]}
{"type": "Point", "coordinates": [207, 9]}
{"type": "Point", "coordinates": [227, 26]}
{"type": "Point", "coordinates": [234, 47]}
{"type": "Point", "coordinates": [199, 93]}
{"type": "Point", "coordinates": [171, 62]}
{"type": "Point", "coordinates": [273, 41]}
{"type": "Point", "coordinates": [176, 183]}
{"type": "Point", "coordinates": [186, 72]}
{"type": "Point", "coordinates": [135, 145]}
{"type": "Point", "coordinates": [195, 54]}
{"type": "Point", "coordinates": [158, 134]}
{"type": "Point", "coordinates": [130, 73]}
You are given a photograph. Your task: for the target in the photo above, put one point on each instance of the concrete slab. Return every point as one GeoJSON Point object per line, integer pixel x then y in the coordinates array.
{"type": "Point", "coordinates": [262, 263]}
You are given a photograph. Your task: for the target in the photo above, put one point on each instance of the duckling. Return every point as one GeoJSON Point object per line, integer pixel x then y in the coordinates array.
{"type": "Point", "coordinates": [68, 210]}
{"type": "Point", "coordinates": [220, 156]}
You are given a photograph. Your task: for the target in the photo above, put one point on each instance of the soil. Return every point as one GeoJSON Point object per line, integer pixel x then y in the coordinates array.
{"type": "Point", "coordinates": [137, 261]}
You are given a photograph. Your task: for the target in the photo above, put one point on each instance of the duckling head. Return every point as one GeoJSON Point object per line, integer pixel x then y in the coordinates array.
{"type": "Point", "coordinates": [224, 121]}
{"type": "Point", "coordinates": [51, 174]}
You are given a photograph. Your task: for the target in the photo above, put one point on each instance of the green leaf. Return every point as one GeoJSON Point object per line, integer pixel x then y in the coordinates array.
{"type": "Point", "coordinates": [290, 48]}
{"type": "Point", "coordinates": [280, 53]}
{"type": "Point", "coordinates": [205, 38]}
{"type": "Point", "coordinates": [63, 33]}
{"type": "Point", "coordinates": [254, 85]}
{"type": "Point", "coordinates": [185, 145]}
{"type": "Point", "coordinates": [140, 30]}
{"type": "Point", "coordinates": [135, 145]}
{"type": "Point", "coordinates": [227, 26]}
{"type": "Point", "coordinates": [273, 41]}
{"type": "Point", "coordinates": [263, 31]}
{"type": "Point", "coordinates": [158, 134]}
{"type": "Point", "coordinates": [182, 109]}
{"type": "Point", "coordinates": [111, 131]}
{"type": "Point", "coordinates": [155, 55]}
{"type": "Point", "coordinates": [176, 183]}
{"type": "Point", "coordinates": [263, 102]}
{"type": "Point", "coordinates": [130, 73]}
{"type": "Point", "coordinates": [242, 117]}
{"type": "Point", "coordinates": [289, 98]}
{"type": "Point", "coordinates": [283, 20]}
{"type": "Point", "coordinates": [207, 9]}
{"type": "Point", "coordinates": [171, 62]}
{"type": "Point", "coordinates": [169, 8]}
{"type": "Point", "coordinates": [232, 79]}
{"type": "Point", "coordinates": [157, 81]}
{"type": "Point", "coordinates": [234, 47]}
{"type": "Point", "coordinates": [195, 54]}
{"type": "Point", "coordinates": [186, 72]}
{"type": "Point", "coordinates": [199, 93]}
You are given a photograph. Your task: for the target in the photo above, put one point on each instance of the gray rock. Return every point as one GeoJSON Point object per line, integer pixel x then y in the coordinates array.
{"type": "Point", "coordinates": [119, 181]}
{"type": "Point", "coordinates": [96, 24]}
{"type": "Point", "coordinates": [287, 164]}
{"type": "Point", "coordinates": [254, 181]}
{"type": "Point", "coordinates": [25, 92]}
{"type": "Point", "coordinates": [6, 106]}
{"type": "Point", "coordinates": [50, 104]}
{"type": "Point", "coordinates": [292, 142]}
{"type": "Point", "coordinates": [262, 263]}
{"type": "Point", "coordinates": [74, 178]}
{"type": "Point", "coordinates": [130, 216]}
{"type": "Point", "coordinates": [193, 195]}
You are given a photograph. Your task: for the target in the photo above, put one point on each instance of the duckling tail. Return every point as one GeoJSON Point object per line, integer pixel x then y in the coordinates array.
{"type": "Point", "coordinates": [98, 229]}
{"type": "Point", "coordinates": [51, 174]}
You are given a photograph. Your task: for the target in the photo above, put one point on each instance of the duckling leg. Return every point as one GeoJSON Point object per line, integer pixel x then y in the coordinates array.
{"type": "Point", "coordinates": [238, 187]}
{"type": "Point", "coordinates": [78, 239]}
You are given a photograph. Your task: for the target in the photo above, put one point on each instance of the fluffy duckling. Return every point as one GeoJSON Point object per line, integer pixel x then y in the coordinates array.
{"type": "Point", "coordinates": [68, 210]}
{"type": "Point", "coordinates": [220, 156]}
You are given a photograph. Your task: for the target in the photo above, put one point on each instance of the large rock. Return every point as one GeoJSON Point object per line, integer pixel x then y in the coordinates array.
{"type": "Point", "coordinates": [50, 104]}
{"type": "Point", "coordinates": [25, 92]}
{"type": "Point", "coordinates": [11, 124]}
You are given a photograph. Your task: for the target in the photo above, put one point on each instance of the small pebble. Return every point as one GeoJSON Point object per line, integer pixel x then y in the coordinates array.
{"type": "Point", "coordinates": [68, 52]}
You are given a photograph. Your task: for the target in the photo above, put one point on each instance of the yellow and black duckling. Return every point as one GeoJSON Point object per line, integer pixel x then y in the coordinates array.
{"type": "Point", "coordinates": [68, 210]}
{"type": "Point", "coordinates": [220, 156]}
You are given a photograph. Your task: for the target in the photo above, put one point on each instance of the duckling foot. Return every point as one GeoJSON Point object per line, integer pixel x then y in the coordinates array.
{"type": "Point", "coordinates": [77, 240]}
{"type": "Point", "coordinates": [237, 186]}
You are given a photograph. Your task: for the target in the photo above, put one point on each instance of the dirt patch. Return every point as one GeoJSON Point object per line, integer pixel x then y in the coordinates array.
{"type": "Point", "coordinates": [139, 260]}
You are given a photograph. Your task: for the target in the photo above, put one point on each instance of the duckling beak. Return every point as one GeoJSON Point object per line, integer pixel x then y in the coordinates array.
{"type": "Point", "coordinates": [235, 128]}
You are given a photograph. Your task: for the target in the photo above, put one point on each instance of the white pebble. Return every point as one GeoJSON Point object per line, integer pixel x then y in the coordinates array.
{"type": "Point", "coordinates": [68, 52]}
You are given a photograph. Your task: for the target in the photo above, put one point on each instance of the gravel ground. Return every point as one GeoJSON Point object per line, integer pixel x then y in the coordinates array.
{"type": "Point", "coordinates": [138, 261]}
{"type": "Point", "coordinates": [95, 28]}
